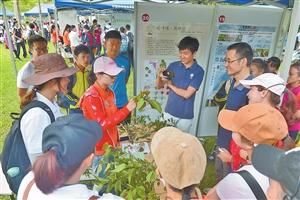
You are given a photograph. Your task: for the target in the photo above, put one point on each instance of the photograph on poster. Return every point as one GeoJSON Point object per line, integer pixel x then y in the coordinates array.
{"type": "Point", "coordinates": [259, 37]}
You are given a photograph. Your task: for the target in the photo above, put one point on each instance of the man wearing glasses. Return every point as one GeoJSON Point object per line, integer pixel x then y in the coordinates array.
{"type": "Point", "coordinates": [237, 63]}
{"type": "Point", "coordinates": [37, 47]}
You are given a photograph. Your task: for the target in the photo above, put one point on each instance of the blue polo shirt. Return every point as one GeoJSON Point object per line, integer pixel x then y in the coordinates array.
{"type": "Point", "coordinates": [184, 77]}
{"type": "Point", "coordinates": [237, 98]}
{"type": "Point", "coordinates": [119, 86]}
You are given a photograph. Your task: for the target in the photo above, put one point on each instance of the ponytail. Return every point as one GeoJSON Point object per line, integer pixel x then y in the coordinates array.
{"type": "Point", "coordinates": [28, 97]}
{"type": "Point", "coordinates": [48, 175]}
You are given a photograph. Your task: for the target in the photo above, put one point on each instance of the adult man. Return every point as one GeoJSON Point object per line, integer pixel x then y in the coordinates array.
{"type": "Point", "coordinates": [130, 44]}
{"type": "Point", "coordinates": [74, 39]}
{"type": "Point", "coordinates": [183, 86]}
{"type": "Point", "coordinates": [78, 82]}
{"type": "Point", "coordinates": [112, 49]}
{"type": "Point", "coordinates": [237, 61]}
{"type": "Point", "coordinates": [19, 40]}
{"type": "Point", "coordinates": [37, 47]}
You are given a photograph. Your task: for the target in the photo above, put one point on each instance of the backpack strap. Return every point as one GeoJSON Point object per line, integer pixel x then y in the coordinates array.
{"type": "Point", "coordinates": [38, 104]}
{"type": "Point", "coordinates": [253, 184]}
{"type": "Point", "coordinates": [27, 190]}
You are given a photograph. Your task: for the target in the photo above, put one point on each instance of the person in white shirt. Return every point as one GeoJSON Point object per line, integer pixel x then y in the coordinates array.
{"type": "Point", "coordinates": [50, 77]}
{"type": "Point", "coordinates": [68, 145]}
{"type": "Point", "coordinates": [74, 38]}
{"type": "Point", "coordinates": [37, 47]}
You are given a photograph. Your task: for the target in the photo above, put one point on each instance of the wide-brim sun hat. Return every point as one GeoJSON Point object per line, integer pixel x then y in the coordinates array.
{"type": "Point", "coordinates": [179, 157]}
{"type": "Point", "coordinates": [48, 67]}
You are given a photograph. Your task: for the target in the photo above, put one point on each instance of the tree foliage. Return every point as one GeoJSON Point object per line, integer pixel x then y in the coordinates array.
{"type": "Point", "coordinates": [25, 5]}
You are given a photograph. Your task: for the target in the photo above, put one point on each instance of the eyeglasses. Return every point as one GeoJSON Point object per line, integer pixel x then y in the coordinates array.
{"type": "Point", "coordinates": [232, 61]}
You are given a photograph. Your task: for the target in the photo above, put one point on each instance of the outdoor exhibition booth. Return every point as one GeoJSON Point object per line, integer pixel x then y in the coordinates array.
{"type": "Point", "coordinates": [158, 33]}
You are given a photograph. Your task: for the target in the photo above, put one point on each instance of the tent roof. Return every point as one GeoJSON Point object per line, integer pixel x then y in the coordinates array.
{"type": "Point", "coordinates": [35, 10]}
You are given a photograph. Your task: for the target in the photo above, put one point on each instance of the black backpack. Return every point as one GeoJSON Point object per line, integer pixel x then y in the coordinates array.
{"type": "Point", "coordinates": [15, 160]}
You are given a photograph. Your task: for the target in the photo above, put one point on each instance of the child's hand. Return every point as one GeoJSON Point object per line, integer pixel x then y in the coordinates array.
{"type": "Point", "coordinates": [224, 155]}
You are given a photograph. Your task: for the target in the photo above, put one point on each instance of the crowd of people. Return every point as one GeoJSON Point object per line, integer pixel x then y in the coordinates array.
{"type": "Point", "coordinates": [259, 118]}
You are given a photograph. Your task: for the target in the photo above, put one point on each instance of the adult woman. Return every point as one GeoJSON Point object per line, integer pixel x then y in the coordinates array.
{"type": "Point", "coordinates": [98, 103]}
{"type": "Point", "coordinates": [50, 77]}
{"type": "Point", "coordinates": [68, 145]}
{"type": "Point", "coordinates": [181, 160]}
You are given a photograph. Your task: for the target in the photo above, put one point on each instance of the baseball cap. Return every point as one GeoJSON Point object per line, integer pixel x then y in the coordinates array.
{"type": "Point", "coordinates": [179, 156]}
{"type": "Point", "coordinates": [73, 138]}
{"type": "Point", "coordinates": [260, 123]}
{"type": "Point", "coordinates": [279, 165]}
{"type": "Point", "coordinates": [270, 81]}
{"type": "Point", "coordinates": [106, 65]}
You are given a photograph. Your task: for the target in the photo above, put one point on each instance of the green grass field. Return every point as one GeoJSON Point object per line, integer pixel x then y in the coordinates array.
{"type": "Point", "coordinates": [9, 102]}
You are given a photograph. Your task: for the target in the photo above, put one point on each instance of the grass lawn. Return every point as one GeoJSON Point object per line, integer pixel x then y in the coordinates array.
{"type": "Point", "coordinates": [9, 102]}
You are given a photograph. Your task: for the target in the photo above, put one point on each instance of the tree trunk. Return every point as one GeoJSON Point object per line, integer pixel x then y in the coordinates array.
{"type": "Point", "coordinates": [17, 11]}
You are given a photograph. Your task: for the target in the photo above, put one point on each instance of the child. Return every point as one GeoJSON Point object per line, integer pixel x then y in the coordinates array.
{"type": "Point", "coordinates": [292, 112]}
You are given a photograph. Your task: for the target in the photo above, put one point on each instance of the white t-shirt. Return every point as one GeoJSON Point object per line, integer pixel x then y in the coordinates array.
{"type": "Point", "coordinates": [33, 124]}
{"type": "Point", "coordinates": [70, 192]}
{"type": "Point", "coordinates": [26, 71]}
{"type": "Point", "coordinates": [74, 39]}
{"type": "Point", "coordinates": [233, 186]}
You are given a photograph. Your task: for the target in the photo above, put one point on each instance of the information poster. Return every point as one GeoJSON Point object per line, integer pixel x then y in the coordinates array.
{"type": "Point", "coordinates": [161, 41]}
{"type": "Point", "coordinates": [159, 29]}
{"type": "Point", "coordinates": [259, 37]}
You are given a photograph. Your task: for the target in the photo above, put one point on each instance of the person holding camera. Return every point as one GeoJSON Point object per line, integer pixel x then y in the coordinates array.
{"type": "Point", "coordinates": [183, 78]}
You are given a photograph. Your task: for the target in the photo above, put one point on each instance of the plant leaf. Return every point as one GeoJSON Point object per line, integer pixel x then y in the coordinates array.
{"type": "Point", "coordinates": [155, 105]}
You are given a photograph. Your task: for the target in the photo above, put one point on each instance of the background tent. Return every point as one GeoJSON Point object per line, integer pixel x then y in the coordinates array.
{"type": "Point", "coordinates": [36, 12]}
{"type": "Point", "coordinates": [8, 13]}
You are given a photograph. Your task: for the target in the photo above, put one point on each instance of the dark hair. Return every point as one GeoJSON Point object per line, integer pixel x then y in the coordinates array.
{"type": "Point", "coordinates": [113, 34]}
{"type": "Point", "coordinates": [274, 62]}
{"type": "Point", "coordinates": [48, 175]}
{"type": "Point", "coordinates": [28, 97]}
{"type": "Point", "coordinates": [67, 28]}
{"type": "Point", "coordinates": [122, 29]}
{"type": "Point", "coordinates": [189, 43]}
{"type": "Point", "coordinates": [260, 64]}
{"type": "Point", "coordinates": [186, 192]}
{"type": "Point", "coordinates": [35, 38]}
{"type": "Point", "coordinates": [127, 26]}
{"type": "Point", "coordinates": [94, 21]}
{"type": "Point", "coordinates": [81, 49]}
{"type": "Point", "coordinates": [72, 27]}
{"type": "Point", "coordinates": [31, 25]}
{"type": "Point", "coordinates": [243, 49]}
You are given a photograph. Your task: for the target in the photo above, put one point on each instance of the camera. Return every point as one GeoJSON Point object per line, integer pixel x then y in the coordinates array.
{"type": "Point", "coordinates": [168, 74]}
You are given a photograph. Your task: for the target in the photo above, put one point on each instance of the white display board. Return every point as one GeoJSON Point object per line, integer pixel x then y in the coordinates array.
{"type": "Point", "coordinates": [159, 28]}
{"type": "Point", "coordinates": [66, 17]}
{"type": "Point", "coordinates": [256, 26]}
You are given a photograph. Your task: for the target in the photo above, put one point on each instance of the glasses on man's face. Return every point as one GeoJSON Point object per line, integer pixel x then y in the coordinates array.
{"type": "Point", "coordinates": [231, 61]}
